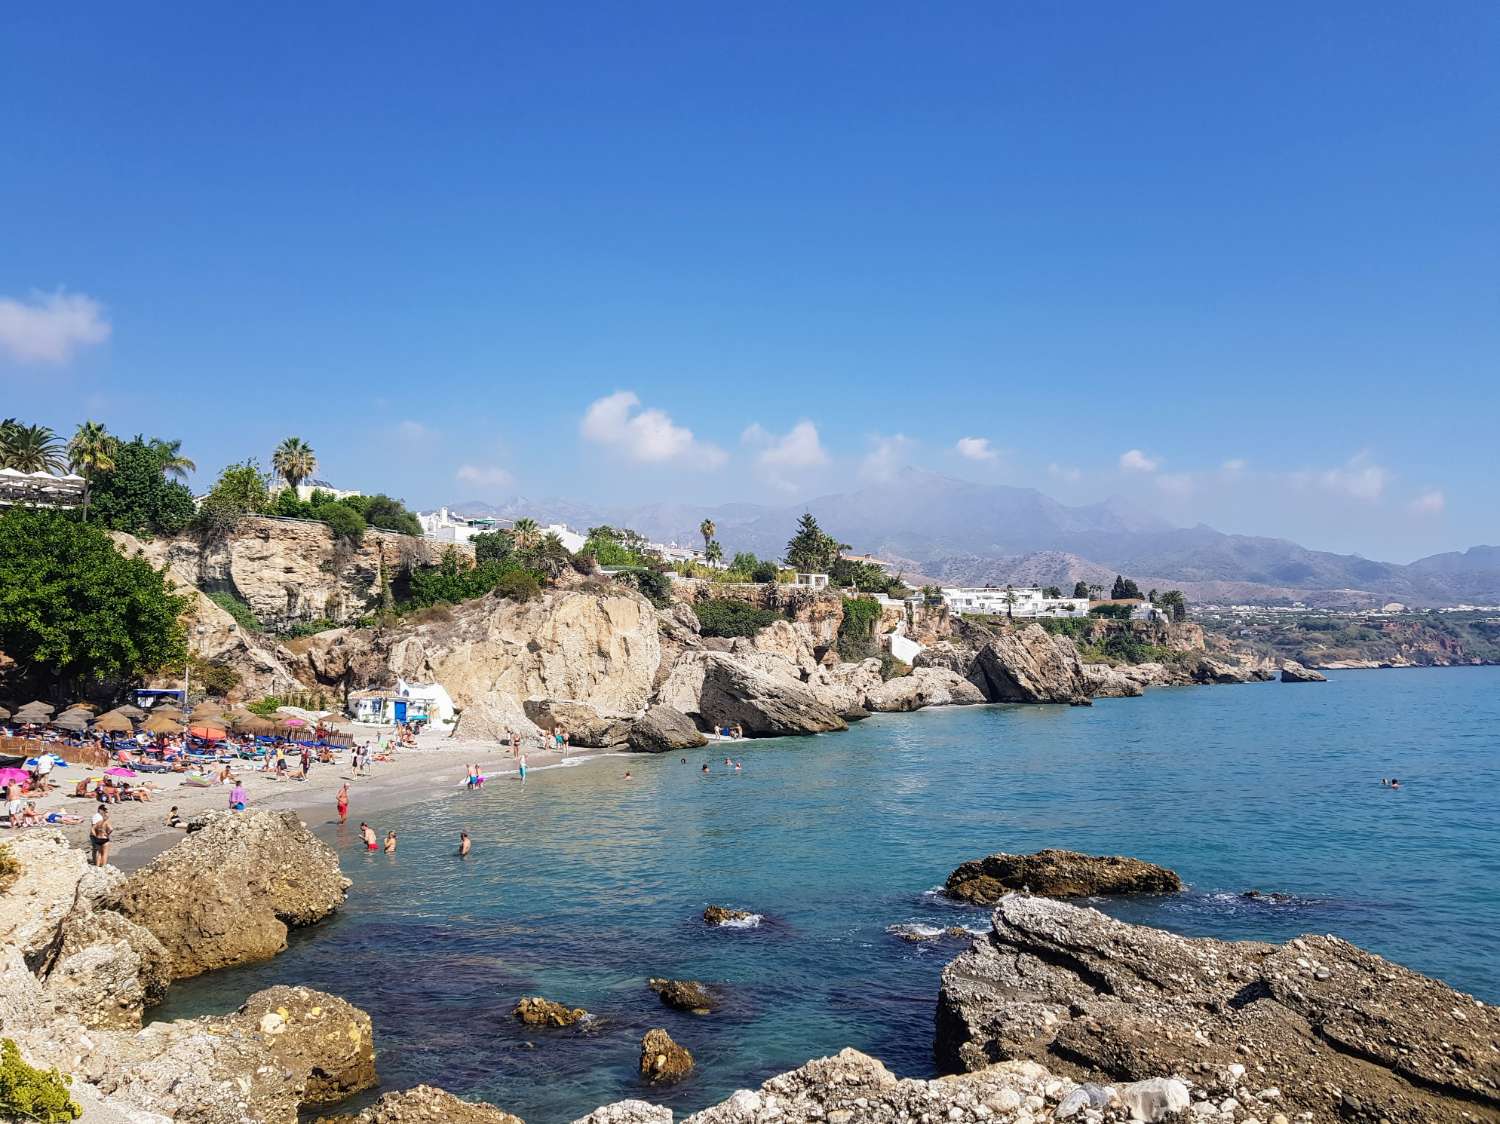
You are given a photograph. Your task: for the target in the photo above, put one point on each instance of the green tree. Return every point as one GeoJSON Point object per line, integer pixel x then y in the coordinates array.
{"type": "Point", "coordinates": [343, 520]}
{"type": "Point", "coordinates": [136, 496]}
{"type": "Point", "coordinates": [1173, 602]}
{"type": "Point", "coordinates": [744, 562]}
{"type": "Point", "coordinates": [810, 551]}
{"type": "Point", "coordinates": [74, 610]}
{"type": "Point", "coordinates": [763, 572]}
{"type": "Point", "coordinates": [526, 533]}
{"type": "Point", "coordinates": [1080, 589]}
{"type": "Point", "coordinates": [1052, 591]}
{"type": "Point", "coordinates": [239, 491]}
{"type": "Point", "coordinates": [174, 465]}
{"type": "Point", "coordinates": [493, 546]}
{"type": "Point", "coordinates": [707, 529]}
{"type": "Point", "coordinates": [91, 452]}
{"type": "Point", "coordinates": [294, 461]}
{"type": "Point", "coordinates": [1124, 588]}
{"type": "Point", "coordinates": [30, 448]}
{"type": "Point", "coordinates": [713, 553]}
{"type": "Point", "coordinates": [388, 514]}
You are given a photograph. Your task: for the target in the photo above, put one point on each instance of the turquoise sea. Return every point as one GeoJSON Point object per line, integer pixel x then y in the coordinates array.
{"type": "Point", "coordinates": [583, 883]}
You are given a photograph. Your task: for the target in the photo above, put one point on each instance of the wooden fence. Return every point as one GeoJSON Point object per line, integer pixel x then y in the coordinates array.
{"type": "Point", "coordinates": [90, 755]}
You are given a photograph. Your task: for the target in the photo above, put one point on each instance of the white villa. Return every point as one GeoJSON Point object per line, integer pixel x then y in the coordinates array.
{"type": "Point", "coordinates": [406, 702]}
{"type": "Point", "coordinates": [1018, 601]}
{"type": "Point", "coordinates": [306, 489]}
{"type": "Point", "coordinates": [445, 526]}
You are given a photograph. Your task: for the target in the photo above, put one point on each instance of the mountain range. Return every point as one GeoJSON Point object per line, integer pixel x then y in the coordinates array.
{"type": "Point", "coordinates": [956, 532]}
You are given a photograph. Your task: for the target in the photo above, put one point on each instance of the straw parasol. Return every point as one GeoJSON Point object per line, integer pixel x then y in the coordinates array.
{"type": "Point", "coordinates": [90, 707]}
{"type": "Point", "coordinates": [241, 719]}
{"type": "Point", "coordinates": [37, 704]}
{"type": "Point", "coordinates": [74, 722]}
{"type": "Point", "coordinates": [134, 713]}
{"type": "Point", "coordinates": [114, 723]}
{"type": "Point", "coordinates": [172, 712]}
{"type": "Point", "coordinates": [261, 726]}
{"type": "Point", "coordinates": [4, 714]}
{"type": "Point", "coordinates": [161, 724]}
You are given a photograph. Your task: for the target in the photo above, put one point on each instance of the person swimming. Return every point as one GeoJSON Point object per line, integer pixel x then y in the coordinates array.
{"type": "Point", "coordinates": [705, 767]}
{"type": "Point", "coordinates": [463, 843]}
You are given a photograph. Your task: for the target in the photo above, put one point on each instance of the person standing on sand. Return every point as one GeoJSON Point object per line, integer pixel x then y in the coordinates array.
{"type": "Point", "coordinates": [367, 833]}
{"type": "Point", "coordinates": [343, 803]}
{"type": "Point", "coordinates": [306, 761]}
{"type": "Point", "coordinates": [463, 843]}
{"type": "Point", "coordinates": [99, 835]}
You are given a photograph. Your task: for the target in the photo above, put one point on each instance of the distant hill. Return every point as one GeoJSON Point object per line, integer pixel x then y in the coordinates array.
{"type": "Point", "coordinates": [967, 533]}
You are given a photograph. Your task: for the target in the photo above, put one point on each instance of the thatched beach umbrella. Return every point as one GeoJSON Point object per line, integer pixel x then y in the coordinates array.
{"type": "Point", "coordinates": [114, 723]}
{"type": "Point", "coordinates": [134, 713]}
{"type": "Point", "coordinates": [73, 723]}
{"type": "Point", "coordinates": [262, 727]}
{"type": "Point", "coordinates": [88, 706]}
{"type": "Point", "coordinates": [161, 724]}
{"type": "Point", "coordinates": [38, 704]}
{"type": "Point", "coordinates": [241, 719]}
{"type": "Point", "coordinates": [170, 713]}
{"type": "Point", "coordinates": [4, 714]}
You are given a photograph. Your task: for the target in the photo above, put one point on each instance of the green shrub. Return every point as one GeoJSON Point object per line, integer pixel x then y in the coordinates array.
{"type": "Point", "coordinates": [518, 585]}
{"type": "Point", "coordinates": [1112, 612]}
{"type": "Point", "coordinates": [726, 616]}
{"type": "Point", "coordinates": [857, 630]}
{"type": "Point", "coordinates": [310, 628]}
{"type": "Point", "coordinates": [764, 572]}
{"type": "Point", "coordinates": [214, 678]}
{"type": "Point", "coordinates": [654, 585]}
{"type": "Point", "coordinates": [265, 706]}
{"type": "Point", "coordinates": [10, 868]}
{"type": "Point", "coordinates": [892, 668]}
{"type": "Point", "coordinates": [342, 520]}
{"type": "Point", "coordinates": [28, 1093]}
{"type": "Point", "coordinates": [243, 615]}
{"type": "Point", "coordinates": [1076, 628]}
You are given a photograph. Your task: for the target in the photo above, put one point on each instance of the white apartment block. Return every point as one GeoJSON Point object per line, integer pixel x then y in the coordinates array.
{"type": "Point", "coordinates": [1018, 601]}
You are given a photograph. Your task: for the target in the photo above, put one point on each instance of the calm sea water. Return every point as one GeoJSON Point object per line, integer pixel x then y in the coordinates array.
{"type": "Point", "coordinates": [583, 883]}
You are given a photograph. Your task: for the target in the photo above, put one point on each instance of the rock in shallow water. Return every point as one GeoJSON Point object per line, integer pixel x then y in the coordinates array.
{"type": "Point", "coordinates": [1057, 874]}
{"type": "Point", "coordinates": [684, 995]}
{"type": "Point", "coordinates": [662, 730]}
{"type": "Point", "coordinates": [533, 1010]}
{"type": "Point", "coordinates": [723, 915]}
{"type": "Point", "coordinates": [662, 1060]}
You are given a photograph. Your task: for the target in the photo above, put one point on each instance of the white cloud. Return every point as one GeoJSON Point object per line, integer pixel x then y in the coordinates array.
{"type": "Point", "coordinates": [51, 327]}
{"type": "Point", "coordinates": [885, 457]}
{"type": "Point", "coordinates": [1359, 477]}
{"type": "Point", "coordinates": [649, 436]}
{"type": "Point", "coordinates": [484, 476]}
{"type": "Point", "coordinates": [977, 449]}
{"type": "Point", "coordinates": [1430, 502]}
{"type": "Point", "coordinates": [1070, 473]}
{"type": "Point", "coordinates": [798, 447]}
{"type": "Point", "coordinates": [1133, 460]}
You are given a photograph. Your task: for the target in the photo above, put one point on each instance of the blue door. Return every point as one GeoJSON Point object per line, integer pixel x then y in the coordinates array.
{"type": "Point", "coordinates": [400, 710]}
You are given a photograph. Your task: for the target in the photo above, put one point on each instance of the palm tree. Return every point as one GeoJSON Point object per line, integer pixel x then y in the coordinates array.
{"type": "Point", "coordinates": [294, 461]}
{"type": "Point", "coordinates": [551, 556]}
{"type": "Point", "coordinates": [173, 463]}
{"type": "Point", "coordinates": [1010, 603]}
{"type": "Point", "coordinates": [30, 448]}
{"type": "Point", "coordinates": [713, 553]}
{"type": "Point", "coordinates": [526, 533]}
{"type": "Point", "coordinates": [91, 452]}
{"type": "Point", "coordinates": [707, 530]}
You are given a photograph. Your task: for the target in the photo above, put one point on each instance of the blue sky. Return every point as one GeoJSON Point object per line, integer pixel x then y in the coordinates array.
{"type": "Point", "coordinates": [1239, 265]}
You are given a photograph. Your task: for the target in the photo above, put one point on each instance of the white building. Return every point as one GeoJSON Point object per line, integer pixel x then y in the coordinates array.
{"type": "Point", "coordinates": [671, 553]}
{"type": "Point", "coordinates": [443, 525]}
{"type": "Point", "coordinates": [570, 538]}
{"type": "Point", "coordinates": [427, 703]}
{"type": "Point", "coordinates": [306, 489]}
{"type": "Point", "coordinates": [1018, 601]}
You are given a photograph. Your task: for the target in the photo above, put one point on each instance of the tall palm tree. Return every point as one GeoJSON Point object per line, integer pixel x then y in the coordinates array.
{"type": "Point", "coordinates": [91, 452]}
{"type": "Point", "coordinates": [713, 553]}
{"type": "Point", "coordinates": [294, 461]}
{"type": "Point", "coordinates": [707, 529]}
{"type": "Point", "coordinates": [30, 448]}
{"type": "Point", "coordinates": [525, 533]}
{"type": "Point", "coordinates": [173, 463]}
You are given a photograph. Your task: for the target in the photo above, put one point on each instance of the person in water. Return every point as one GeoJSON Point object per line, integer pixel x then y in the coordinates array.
{"type": "Point", "coordinates": [1395, 783]}
{"type": "Point", "coordinates": [343, 803]}
{"type": "Point", "coordinates": [463, 843]}
{"type": "Point", "coordinates": [367, 833]}
{"type": "Point", "coordinates": [705, 767]}
{"type": "Point", "coordinates": [522, 767]}
{"type": "Point", "coordinates": [390, 842]}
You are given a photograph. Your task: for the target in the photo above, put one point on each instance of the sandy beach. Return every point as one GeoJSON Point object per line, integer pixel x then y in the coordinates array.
{"type": "Point", "coordinates": [435, 766]}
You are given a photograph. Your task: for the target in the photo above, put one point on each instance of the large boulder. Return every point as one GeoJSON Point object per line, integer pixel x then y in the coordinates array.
{"type": "Point", "coordinates": [1031, 666]}
{"type": "Point", "coordinates": [1294, 672]}
{"type": "Point", "coordinates": [586, 727]}
{"type": "Point", "coordinates": [925, 686]}
{"type": "Point", "coordinates": [425, 1104]}
{"type": "Point", "coordinates": [1313, 1026]}
{"type": "Point", "coordinates": [790, 641]}
{"type": "Point", "coordinates": [1106, 682]}
{"type": "Point", "coordinates": [720, 689]}
{"type": "Point", "coordinates": [628, 1112]}
{"type": "Point", "coordinates": [663, 1061]}
{"type": "Point", "coordinates": [1057, 874]}
{"type": "Point", "coordinates": [228, 893]}
{"type": "Point", "coordinates": [684, 995]}
{"type": "Point", "coordinates": [107, 970]}
{"type": "Point", "coordinates": [662, 729]}
{"type": "Point", "coordinates": [956, 656]}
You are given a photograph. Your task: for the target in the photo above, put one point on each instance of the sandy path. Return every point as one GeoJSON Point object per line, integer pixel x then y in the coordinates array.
{"type": "Point", "coordinates": [436, 765]}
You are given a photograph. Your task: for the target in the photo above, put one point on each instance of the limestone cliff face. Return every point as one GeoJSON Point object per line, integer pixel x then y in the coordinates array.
{"type": "Point", "coordinates": [599, 646]}
{"type": "Point", "coordinates": [294, 570]}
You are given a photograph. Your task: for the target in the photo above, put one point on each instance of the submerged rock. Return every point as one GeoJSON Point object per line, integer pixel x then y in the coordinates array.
{"type": "Point", "coordinates": [1325, 1027]}
{"type": "Point", "coordinates": [684, 995]}
{"type": "Point", "coordinates": [662, 1060]}
{"type": "Point", "coordinates": [228, 893]}
{"type": "Point", "coordinates": [662, 730]}
{"type": "Point", "coordinates": [533, 1010]}
{"type": "Point", "coordinates": [1294, 672]}
{"type": "Point", "coordinates": [1057, 874]}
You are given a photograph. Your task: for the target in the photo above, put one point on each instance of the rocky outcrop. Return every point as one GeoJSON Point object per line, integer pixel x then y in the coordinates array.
{"type": "Point", "coordinates": [1315, 1025]}
{"type": "Point", "coordinates": [533, 1010]}
{"type": "Point", "coordinates": [684, 995]}
{"type": "Point", "coordinates": [425, 1104]}
{"type": "Point", "coordinates": [1031, 665]}
{"type": "Point", "coordinates": [1107, 682]}
{"type": "Point", "coordinates": [663, 1062]}
{"type": "Point", "coordinates": [628, 1112]}
{"type": "Point", "coordinates": [585, 726]}
{"type": "Point", "coordinates": [662, 729]}
{"type": "Point", "coordinates": [723, 915]}
{"type": "Point", "coordinates": [719, 689]}
{"type": "Point", "coordinates": [107, 970]}
{"type": "Point", "coordinates": [1057, 874]}
{"type": "Point", "coordinates": [228, 893]}
{"type": "Point", "coordinates": [925, 686]}
{"type": "Point", "coordinates": [1293, 672]}
{"type": "Point", "coordinates": [600, 644]}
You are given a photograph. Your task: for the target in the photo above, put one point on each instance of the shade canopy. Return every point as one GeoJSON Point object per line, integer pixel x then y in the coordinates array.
{"type": "Point", "coordinates": [37, 704]}
{"type": "Point", "coordinates": [130, 711]}
{"type": "Point", "coordinates": [114, 723]}
{"type": "Point", "coordinates": [88, 706]}
{"type": "Point", "coordinates": [261, 726]}
{"type": "Point", "coordinates": [161, 724]}
{"type": "Point", "coordinates": [171, 712]}
{"type": "Point", "coordinates": [4, 714]}
{"type": "Point", "coordinates": [74, 723]}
